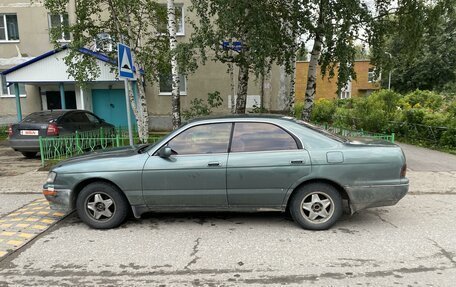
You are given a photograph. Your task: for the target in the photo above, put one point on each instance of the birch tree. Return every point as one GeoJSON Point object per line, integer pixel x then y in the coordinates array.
{"type": "Point", "coordinates": [133, 22]}
{"type": "Point", "coordinates": [175, 93]}
{"type": "Point", "coordinates": [257, 26]}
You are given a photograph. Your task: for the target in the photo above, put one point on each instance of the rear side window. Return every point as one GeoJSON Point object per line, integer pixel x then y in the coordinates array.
{"type": "Point", "coordinates": [93, 119]}
{"type": "Point", "coordinates": [248, 137]}
{"type": "Point", "coordinates": [77, 118]}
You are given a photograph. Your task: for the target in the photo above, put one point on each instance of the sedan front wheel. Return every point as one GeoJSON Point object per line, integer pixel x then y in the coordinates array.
{"type": "Point", "coordinates": [102, 206]}
{"type": "Point", "coordinates": [316, 206]}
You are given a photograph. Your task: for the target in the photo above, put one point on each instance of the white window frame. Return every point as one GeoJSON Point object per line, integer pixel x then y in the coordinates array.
{"type": "Point", "coordinates": [3, 18]}
{"type": "Point", "coordinates": [345, 92]}
{"type": "Point", "coordinates": [371, 76]}
{"type": "Point", "coordinates": [178, 33]}
{"type": "Point", "coordinates": [8, 88]}
{"type": "Point", "coordinates": [62, 39]}
{"type": "Point", "coordinates": [182, 93]}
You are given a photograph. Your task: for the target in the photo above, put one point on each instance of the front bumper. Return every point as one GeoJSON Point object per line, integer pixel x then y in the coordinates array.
{"type": "Point", "coordinates": [59, 198]}
{"type": "Point", "coordinates": [362, 197]}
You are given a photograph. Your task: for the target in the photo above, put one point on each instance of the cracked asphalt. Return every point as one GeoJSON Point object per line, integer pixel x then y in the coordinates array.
{"type": "Point", "coordinates": [412, 244]}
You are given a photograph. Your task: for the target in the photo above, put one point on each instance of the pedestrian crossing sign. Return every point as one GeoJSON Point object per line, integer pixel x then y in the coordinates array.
{"type": "Point", "coordinates": [125, 61]}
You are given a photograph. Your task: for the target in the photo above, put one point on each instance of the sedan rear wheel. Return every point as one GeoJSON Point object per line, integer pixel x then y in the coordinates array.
{"type": "Point", "coordinates": [102, 206]}
{"type": "Point", "coordinates": [316, 206]}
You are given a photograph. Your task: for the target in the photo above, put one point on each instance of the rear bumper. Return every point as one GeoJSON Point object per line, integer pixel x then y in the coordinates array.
{"type": "Point", "coordinates": [59, 199]}
{"type": "Point", "coordinates": [25, 145]}
{"type": "Point", "coordinates": [363, 197]}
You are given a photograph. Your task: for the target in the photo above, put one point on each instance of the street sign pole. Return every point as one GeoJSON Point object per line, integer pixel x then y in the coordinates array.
{"type": "Point", "coordinates": [125, 65]}
{"type": "Point", "coordinates": [130, 130]}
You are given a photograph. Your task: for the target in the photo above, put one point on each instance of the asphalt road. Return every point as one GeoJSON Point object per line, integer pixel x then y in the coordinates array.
{"type": "Point", "coordinates": [423, 159]}
{"type": "Point", "coordinates": [412, 244]}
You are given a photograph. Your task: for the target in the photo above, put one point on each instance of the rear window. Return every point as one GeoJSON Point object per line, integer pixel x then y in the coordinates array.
{"type": "Point", "coordinates": [42, 117]}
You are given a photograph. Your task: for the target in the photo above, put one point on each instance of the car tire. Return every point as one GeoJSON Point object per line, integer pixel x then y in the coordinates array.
{"type": "Point", "coordinates": [102, 205]}
{"type": "Point", "coordinates": [29, 154]}
{"type": "Point", "coordinates": [316, 206]}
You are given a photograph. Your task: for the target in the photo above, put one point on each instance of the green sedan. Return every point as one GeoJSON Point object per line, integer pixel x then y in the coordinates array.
{"type": "Point", "coordinates": [238, 163]}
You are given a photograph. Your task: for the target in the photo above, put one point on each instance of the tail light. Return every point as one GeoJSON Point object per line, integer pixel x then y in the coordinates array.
{"type": "Point", "coordinates": [52, 130]}
{"type": "Point", "coordinates": [10, 130]}
{"type": "Point", "coordinates": [404, 170]}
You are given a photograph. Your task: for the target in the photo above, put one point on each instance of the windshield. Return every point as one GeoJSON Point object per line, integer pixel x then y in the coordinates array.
{"type": "Point", "coordinates": [322, 131]}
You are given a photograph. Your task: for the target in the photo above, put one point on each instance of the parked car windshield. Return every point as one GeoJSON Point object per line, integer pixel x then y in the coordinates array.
{"type": "Point", "coordinates": [42, 117]}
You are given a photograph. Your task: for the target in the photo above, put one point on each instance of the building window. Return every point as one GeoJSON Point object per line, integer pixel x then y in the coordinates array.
{"type": "Point", "coordinates": [58, 23]}
{"type": "Point", "coordinates": [9, 30]}
{"type": "Point", "coordinates": [345, 91]}
{"type": "Point", "coordinates": [163, 25]}
{"type": "Point", "coordinates": [371, 76]}
{"type": "Point", "coordinates": [166, 84]}
{"type": "Point", "coordinates": [9, 91]}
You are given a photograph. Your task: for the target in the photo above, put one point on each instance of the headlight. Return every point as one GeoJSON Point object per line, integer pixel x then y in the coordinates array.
{"type": "Point", "coordinates": [51, 177]}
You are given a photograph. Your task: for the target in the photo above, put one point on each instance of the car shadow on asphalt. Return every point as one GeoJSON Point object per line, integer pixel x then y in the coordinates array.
{"type": "Point", "coordinates": [234, 220]}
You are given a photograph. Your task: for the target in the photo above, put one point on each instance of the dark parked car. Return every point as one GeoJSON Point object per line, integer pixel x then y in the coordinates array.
{"type": "Point", "coordinates": [245, 164]}
{"type": "Point", "coordinates": [24, 136]}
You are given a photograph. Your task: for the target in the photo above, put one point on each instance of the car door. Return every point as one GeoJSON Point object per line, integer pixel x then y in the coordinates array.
{"type": "Point", "coordinates": [195, 175]}
{"type": "Point", "coordinates": [264, 161]}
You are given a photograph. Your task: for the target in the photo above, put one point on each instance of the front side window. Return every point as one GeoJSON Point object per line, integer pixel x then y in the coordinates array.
{"type": "Point", "coordinates": [203, 139]}
{"type": "Point", "coordinates": [166, 84]}
{"type": "Point", "coordinates": [58, 23]}
{"type": "Point", "coordinates": [248, 137]}
{"type": "Point", "coordinates": [9, 30]}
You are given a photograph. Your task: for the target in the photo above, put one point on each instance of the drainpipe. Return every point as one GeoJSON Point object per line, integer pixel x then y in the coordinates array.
{"type": "Point", "coordinates": [18, 102]}
{"type": "Point", "coordinates": [62, 96]}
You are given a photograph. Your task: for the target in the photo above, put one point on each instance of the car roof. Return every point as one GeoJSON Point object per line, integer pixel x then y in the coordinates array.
{"type": "Point", "coordinates": [242, 117]}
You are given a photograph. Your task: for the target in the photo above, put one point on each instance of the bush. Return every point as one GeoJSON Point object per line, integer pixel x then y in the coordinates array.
{"type": "Point", "coordinates": [420, 116]}
{"type": "Point", "coordinates": [323, 111]}
{"type": "Point", "coordinates": [200, 108]}
{"type": "Point", "coordinates": [298, 107]}
{"type": "Point", "coordinates": [424, 99]}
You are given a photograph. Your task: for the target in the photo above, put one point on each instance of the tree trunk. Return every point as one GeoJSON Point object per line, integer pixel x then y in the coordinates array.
{"type": "Point", "coordinates": [175, 93]}
{"type": "Point", "coordinates": [143, 113]}
{"type": "Point", "coordinates": [282, 96]}
{"type": "Point", "coordinates": [233, 100]}
{"type": "Point", "coordinates": [291, 95]}
{"type": "Point", "coordinates": [243, 82]}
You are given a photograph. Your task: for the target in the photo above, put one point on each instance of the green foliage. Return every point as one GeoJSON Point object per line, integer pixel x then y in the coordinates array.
{"type": "Point", "coordinates": [298, 107]}
{"type": "Point", "coordinates": [420, 116]}
{"type": "Point", "coordinates": [323, 111]}
{"type": "Point", "coordinates": [422, 45]}
{"type": "Point", "coordinates": [3, 132]}
{"type": "Point", "coordinates": [425, 99]}
{"type": "Point", "coordinates": [200, 108]}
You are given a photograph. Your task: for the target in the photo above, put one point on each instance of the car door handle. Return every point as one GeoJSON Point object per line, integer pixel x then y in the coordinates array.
{"type": "Point", "coordinates": [297, 162]}
{"type": "Point", "coordinates": [213, 163]}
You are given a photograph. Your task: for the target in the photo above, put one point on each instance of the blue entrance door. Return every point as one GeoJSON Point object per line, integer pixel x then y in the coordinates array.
{"type": "Point", "coordinates": [110, 105]}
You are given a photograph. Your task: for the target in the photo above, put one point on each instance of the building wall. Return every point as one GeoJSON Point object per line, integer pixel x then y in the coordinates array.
{"type": "Point", "coordinates": [327, 88]}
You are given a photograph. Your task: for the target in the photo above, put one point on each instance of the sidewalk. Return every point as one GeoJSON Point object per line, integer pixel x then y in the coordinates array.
{"type": "Point", "coordinates": [18, 174]}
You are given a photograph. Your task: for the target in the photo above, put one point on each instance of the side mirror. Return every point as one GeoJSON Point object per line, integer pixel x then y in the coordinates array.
{"type": "Point", "coordinates": [165, 152]}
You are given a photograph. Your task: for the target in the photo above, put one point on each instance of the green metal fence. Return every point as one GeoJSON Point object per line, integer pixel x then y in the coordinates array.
{"type": "Point", "coordinates": [351, 133]}
{"type": "Point", "coordinates": [57, 148]}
